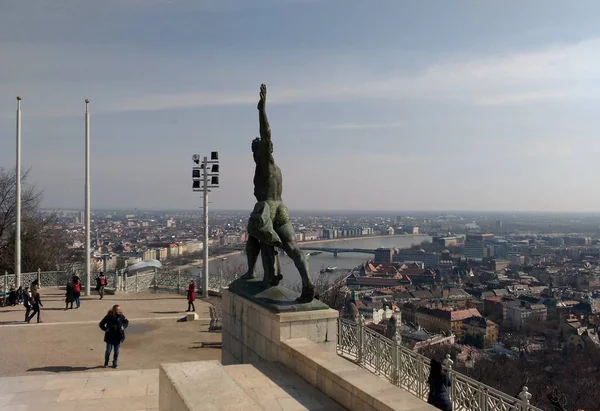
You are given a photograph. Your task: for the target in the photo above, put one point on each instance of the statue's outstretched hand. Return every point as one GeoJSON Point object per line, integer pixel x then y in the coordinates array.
{"type": "Point", "coordinates": [263, 97]}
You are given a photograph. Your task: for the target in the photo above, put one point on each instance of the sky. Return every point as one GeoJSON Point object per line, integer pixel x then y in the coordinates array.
{"type": "Point", "coordinates": [374, 105]}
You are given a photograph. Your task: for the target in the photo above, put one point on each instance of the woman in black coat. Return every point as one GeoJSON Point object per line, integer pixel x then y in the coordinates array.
{"type": "Point", "coordinates": [113, 325]}
{"type": "Point", "coordinates": [439, 384]}
{"type": "Point", "coordinates": [70, 295]}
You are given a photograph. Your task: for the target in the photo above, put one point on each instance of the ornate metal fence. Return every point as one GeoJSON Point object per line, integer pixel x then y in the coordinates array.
{"type": "Point", "coordinates": [169, 281]}
{"type": "Point", "coordinates": [45, 278]}
{"type": "Point", "coordinates": [410, 370]}
{"type": "Point", "coordinates": [159, 280]}
{"type": "Point", "coordinates": [53, 279]}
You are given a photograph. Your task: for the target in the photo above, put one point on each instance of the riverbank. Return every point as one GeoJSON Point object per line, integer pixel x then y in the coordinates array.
{"type": "Point", "coordinates": [303, 244]}
{"type": "Point", "coordinates": [198, 263]}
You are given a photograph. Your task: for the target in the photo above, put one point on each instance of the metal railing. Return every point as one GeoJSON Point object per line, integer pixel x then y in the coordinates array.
{"type": "Point", "coordinates": [410, 370]}
{"type": "Point", "coordinates": [159, 280]}
{"type": "Point", "coordinates": [53, 279]}
{"type": "Point", "coordinates": [44, 278]}
{"type": "Point", "coordinates": [162, 281]}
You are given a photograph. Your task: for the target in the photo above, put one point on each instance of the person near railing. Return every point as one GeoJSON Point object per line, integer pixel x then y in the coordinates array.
{"type": "Point", "coordinates": [20, 295]}
{"type": "Point", "coordinates": [191, 296]}
{"type": "Point", "coordinates": [12, 296]}
{"type": "Point", "coordinates": [100, 284]}
{"type": "Point", "coordinates": [439, 384]}
{"type": "Point", "coordinates": [69, 295]}
{"type": "Point", "coordinates": [77, 290]}
{"type": "Point", "coordinates": [27, 303]}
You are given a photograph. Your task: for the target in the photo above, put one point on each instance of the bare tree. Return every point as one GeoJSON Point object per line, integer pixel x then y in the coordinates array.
{"type": "Point", "coordinates": [30, 201]}
{"type": "Point", "coordinates": [43, 245]}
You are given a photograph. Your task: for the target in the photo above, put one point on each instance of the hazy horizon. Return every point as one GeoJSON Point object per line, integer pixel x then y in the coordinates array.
{"type": "Point", "coordinates": [349, 212]}
{"type": "Point", "coordinates": [465, 105]}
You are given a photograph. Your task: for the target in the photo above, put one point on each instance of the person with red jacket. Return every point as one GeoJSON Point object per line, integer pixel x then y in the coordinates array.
{"type": "Point", "coordinates": [191, 296]}
{"type": "Point", "coordinates": [77, 290]}
{"type": "Point", "coordinates": [100, 284]}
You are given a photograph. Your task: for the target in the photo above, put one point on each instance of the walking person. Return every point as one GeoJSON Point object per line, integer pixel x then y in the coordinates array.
{"type": "Point", "coordinates": [113, 325]}
{"type": "Point", "coordinates": [77, 290]}
{"type": "Point", "coordinates": [100, 284]}
{"type": "Point", "coordinates": [439, 383]}
{"type": "Point", "coordinates": [69, 295]}
{"type": "Point", "coordinates": [191, 296]}
{"type": "Point", "coordinates": [36, 306]}
{"type": "Point", "coordinates": [27, 302]}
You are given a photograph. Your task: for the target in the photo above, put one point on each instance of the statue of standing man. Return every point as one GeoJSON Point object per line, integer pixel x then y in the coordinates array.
{"type": "Point", "coordinates": [269, 226]}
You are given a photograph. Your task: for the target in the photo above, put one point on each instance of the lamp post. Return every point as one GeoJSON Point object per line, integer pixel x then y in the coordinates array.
{"type": "Point", "coordinates": [87, 197]}
{"type": "Point", "coordinates": [203, 180]}
{"type": "Point", "coordinates": [18, 199]}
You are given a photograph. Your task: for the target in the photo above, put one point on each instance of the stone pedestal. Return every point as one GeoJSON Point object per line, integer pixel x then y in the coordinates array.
{"type": "Point", "coordinates": [191, 317]}
{"type": "Point", "coordinates": [253, 329]}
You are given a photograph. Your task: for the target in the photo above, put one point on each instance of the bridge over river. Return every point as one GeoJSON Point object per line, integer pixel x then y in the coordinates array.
{"type": "Point", "coordinates": [336, 251]}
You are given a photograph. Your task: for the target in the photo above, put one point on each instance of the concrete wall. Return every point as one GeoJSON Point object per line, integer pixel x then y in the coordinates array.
{"type": "Point", "coordinates": [252, 333]}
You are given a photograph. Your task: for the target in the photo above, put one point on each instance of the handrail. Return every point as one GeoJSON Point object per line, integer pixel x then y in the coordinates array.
{"type": "Point", "coordinates": [410, 370]}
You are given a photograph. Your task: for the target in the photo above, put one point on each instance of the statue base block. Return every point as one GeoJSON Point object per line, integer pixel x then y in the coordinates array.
{"type": "Point", "coordinates": [257, 320]}
{"type": "Point", "coordinates": [277, 299]}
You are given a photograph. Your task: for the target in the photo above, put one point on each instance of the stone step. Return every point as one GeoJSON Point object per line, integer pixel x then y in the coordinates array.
{"type": "Point", "coordinates": [201, 385]}
{"type": "Point", "coordinates": [67, 391]}
{"type": "Point", "coordinates": [274, 387]}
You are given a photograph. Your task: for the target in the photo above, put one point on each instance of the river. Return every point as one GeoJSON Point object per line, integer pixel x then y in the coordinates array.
{"type": "Point", "coordinates": [343, 261]}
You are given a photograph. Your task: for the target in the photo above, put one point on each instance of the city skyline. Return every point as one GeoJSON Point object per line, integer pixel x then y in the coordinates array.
{"type": "Point", "coordinates": [468, 106]}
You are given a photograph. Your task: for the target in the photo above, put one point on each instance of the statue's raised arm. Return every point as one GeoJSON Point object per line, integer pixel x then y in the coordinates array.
{"type": "Point", "coordinates": [265, 129]}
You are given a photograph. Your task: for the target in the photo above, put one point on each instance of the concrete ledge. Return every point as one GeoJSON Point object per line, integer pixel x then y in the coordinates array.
{"type": "Point", "coordinates": [345, 382]}
{"type": "Point", "coordinates": [202, 385]}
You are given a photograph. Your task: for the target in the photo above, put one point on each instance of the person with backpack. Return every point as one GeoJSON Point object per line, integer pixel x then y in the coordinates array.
{"type": "Point", "coordinates": [100, 284]}
{"type": "Point", "coordinates": [77, 290]}
{"type": "Point", "coordinates": [27, 302]}
{"type": "Point", "coordinates": [113, 325]}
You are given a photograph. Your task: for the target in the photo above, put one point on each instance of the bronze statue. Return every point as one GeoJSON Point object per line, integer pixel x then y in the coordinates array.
{"type": "Point", "coordinates": [269, 226]}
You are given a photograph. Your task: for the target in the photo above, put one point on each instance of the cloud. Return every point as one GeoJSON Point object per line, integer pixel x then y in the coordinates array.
{"type": "Point", "coordinates": [527, 97]}
{"type": "Point", "coordinates": [185, 100]}
{"type": "Point", "coordinates": [365, 126]}
{"type": "Point", "coordinates": [149, 82]}
{"type": "Point", "coordinates": [560, 73]}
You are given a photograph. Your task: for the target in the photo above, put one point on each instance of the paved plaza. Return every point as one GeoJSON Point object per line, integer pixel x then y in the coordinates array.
{"type": "Point", "coordinates": [57, 365]}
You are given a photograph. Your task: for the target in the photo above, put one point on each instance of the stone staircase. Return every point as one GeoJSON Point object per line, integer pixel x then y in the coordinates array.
{"type": "Point", "coordinates": [208, 385]}
{"type": "Point", "coordinates": [203, 385]}
{"type": "Point", "coordinates": [275, 387]}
